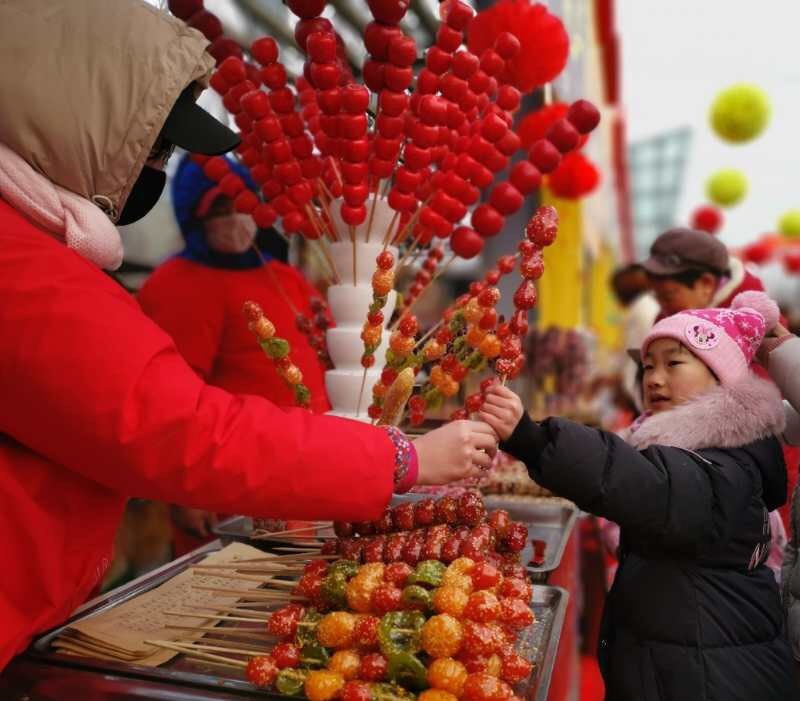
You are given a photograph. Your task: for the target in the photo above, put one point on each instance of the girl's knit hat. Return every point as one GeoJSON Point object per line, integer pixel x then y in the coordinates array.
{"type": "Point", "coordinates": [726, 340]}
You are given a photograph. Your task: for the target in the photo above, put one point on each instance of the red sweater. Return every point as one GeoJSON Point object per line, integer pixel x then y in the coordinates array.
{"type": "Point", "coordinates": [98, 405]}
{"type": "Point", "coordinates": [200, 307]}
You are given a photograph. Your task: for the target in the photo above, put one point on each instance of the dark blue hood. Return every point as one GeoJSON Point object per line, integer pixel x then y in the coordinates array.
{"type": "Point", "coordinates": [188, 187]}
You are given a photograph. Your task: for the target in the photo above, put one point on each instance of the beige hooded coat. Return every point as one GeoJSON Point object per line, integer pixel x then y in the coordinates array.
{"type": "Point", "coordinates": [86, 86]}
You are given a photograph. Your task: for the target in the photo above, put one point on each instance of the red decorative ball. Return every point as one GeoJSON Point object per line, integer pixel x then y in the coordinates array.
{"type": "Point", "coordinates": [183, 9]}
{"type": "Point", "coordinates": [508, 97]}
{"type": "Point", "coordinates": [306, 9]}
{"type": "Point", "coordinates": [403, 51]}
{"type": "Point", "coordinates": [465, 242]}
{"type": "Point", "coordinates": [273, 76]}
{"type": "Point", "coordinates": [305, 27]}
{"type": "Point", "coordinates": [378, 37]}
{"type": "Point", "coordinates": [246, 202]}
{"type": "Point", "coordinates": [222, 47]}
{"type": "Point", "coordinates": [392, 103]}
{"type": "Point", "coordinates": [487, 221]}
{"type": "Point", "coordinates": [576, 177]}
{"type": "Point", "coordinates": [321, 47]}
{"type": "Point", "coordinates": [219, 84]}
{"type": "Point", "coordinates": [353, 215]}
{"type": "Point", "coordinates": [544, 156]}
{"type": "Point", "coordinates": [324, 76]}
{"type": "Point", "coordinates": [397, 78]}
{"type": "Point", "coordinates": [459, 15]}
{"type": "Point", "coordinates": [231, 185]}
{"type": "Point", "coordinates": [493, 128]}
{"type": "Point", "coordinates": [491, 62]}
{"type": "Point", "coordinates": [256, 104]}
{"type": "Point", "coordinates": [264, 216]}
{"type": "Point", "coordinates": [232, 70]}
{"type": "Point", "coordinates": [791, 261]}
{"type": "Point", "coordinates": [707, 218]}
{"type": "Point", "coordinates": [505, 198]}
{"type": "Point", "coordinates": [436, 60]}
{"type": "Point", "coordinates": [525, 177]}
{"type": "Point", "coordinates": [265, 50]}
{"type": "Point", "coordinates": [509, 143]}
{"type": "Point", "coordinates": [427, 82]}
{"type": "Point", "coordinates": [216, 168]}
{"type": "Point", "coordinates": [448, 39]}
{"type": "Point", "coordinates": [584, 116]}
{"type": "Point", "coordinates": [465, 64]}
{"type": "Point", "coordinates": [207, 23]}
{"type": "Point", "coordinates": [388, 11]}
{"type": "Point", "coordinates": [373, 75]}
{"type": "Point", "coordinates": [564, 136]}
{"type": "Point", "coordinates": [544, 44]}
{"type": "Point", "coordinates": [507, 45]}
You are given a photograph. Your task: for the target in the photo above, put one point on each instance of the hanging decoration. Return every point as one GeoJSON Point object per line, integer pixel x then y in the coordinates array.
{"type": "Point", "coordinates": [727, 187]}
{"type": "Point", "coordinates": [740, 113]}
{"type": "Point", "coordinates": [707, 218]}
{"type": "Point", "coordinates": [544, 41]}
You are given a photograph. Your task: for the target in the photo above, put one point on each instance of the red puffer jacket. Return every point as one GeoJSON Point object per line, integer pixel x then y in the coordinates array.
{"type": "Point", "coordinates": [200, 307]}
{"type": "Point", "coordinates": [98, 406]}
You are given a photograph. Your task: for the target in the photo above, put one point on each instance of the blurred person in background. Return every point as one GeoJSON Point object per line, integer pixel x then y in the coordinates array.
{"type": "Point", "coordinates": [691, 269]}
{"type": "Point", "coordinates": [631, 288]}
{"type": "Point", "coordinates": [197, 298]}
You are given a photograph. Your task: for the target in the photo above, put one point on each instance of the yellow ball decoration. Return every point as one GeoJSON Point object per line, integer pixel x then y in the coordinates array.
{"type": "Point", "coordinates": [789, 224]}
{"type": "Point", "coordinates": [726, 187]}
{"type": "Point", "coordinates": [740, 113]}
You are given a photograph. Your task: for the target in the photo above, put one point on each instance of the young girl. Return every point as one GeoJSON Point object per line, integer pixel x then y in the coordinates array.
{"type": "Point", "coordinates": [693, 612]}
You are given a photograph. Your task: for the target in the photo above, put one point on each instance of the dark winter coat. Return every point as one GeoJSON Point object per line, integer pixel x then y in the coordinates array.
{"type": "Point", "coordinates": [693, 613]}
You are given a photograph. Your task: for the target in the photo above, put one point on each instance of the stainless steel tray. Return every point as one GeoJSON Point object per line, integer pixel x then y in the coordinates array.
{"type": "Point", "coordinates": [546, 521]}
{"type": "Point", "coordinates": [182, 678]}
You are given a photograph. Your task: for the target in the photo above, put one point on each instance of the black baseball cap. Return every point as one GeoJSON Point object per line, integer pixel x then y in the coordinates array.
{"type": "Point", "coordinates": [192, 128]}
{"type": "Point", "coordinates": [679, 250]}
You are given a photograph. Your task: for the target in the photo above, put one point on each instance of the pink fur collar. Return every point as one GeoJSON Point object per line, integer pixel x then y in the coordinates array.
{"type": "Point", "coordinates": [727, 416]}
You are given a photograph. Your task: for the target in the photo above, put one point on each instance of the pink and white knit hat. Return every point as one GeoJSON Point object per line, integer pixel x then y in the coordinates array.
{"type": "Point", "coordinates": [726, 340]}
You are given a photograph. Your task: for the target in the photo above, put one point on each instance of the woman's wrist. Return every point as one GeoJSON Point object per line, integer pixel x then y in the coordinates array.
{"type": "Point", "coordinates": [406, 461]}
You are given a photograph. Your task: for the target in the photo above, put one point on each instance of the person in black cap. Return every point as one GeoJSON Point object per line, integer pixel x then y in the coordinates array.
{"type": "Point", "coordinates": [97, 403]}
{"type": "Point", "coordinates": [691, 269]}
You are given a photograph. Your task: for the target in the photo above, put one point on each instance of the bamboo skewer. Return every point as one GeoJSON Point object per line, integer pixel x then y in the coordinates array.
{"type": "Point", "coordinates": [408, 309]}
{"type": "Point", "coordinates": [254, 652]}
{"type": "Point", "coordinates": [253, 594]}
{"type": "Point", "coordinates": [213, 617]}
{"type": "Point", "coordinates": [219, 659]}
{"type": "Point", "coordinates": [315, 527]}
{"type": "Point", "coordinates": [327, 254]}
{"type": "Point", "coordinates": [429, 333]}
{"type": "Point", "coordinates": [388, 235]}
{"type": "Point", "coordinates": [272, 583]}
{"type": "Point", "coordinates": [229, 609]}
{"type": "Point", "coordinates": [230, 632]}
{"type": "Point", "coordinates": [257, 568]}
{"type": "Point", "coordinates": [372, 210]}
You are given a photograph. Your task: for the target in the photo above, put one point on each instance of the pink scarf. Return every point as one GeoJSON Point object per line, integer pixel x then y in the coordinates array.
{"type": "Point", "coordinates": [68, 217]}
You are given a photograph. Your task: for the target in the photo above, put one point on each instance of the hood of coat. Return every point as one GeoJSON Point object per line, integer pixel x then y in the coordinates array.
{"type": "Point", "coordinates": [745, 415]}
{"type": "Point", "coordinates": [727, 416]}
{"type": "Point", "coordinates": [87, 87]}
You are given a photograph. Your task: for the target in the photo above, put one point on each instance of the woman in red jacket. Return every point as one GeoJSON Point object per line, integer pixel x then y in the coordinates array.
{"type": "Point", "coordinates": [97, 403]}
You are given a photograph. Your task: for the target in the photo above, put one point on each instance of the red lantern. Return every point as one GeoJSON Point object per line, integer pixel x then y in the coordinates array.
{"type": "Point", "coordinates": [707, 218]}
{"type": "Point", "coordinates": [791, 261]}
{"type": "Point", "coordinates": [576, 177]}
{"type": "Point", "coordinates": [759, 252]}
{"type": "Point", "coordinates": [544, 42]}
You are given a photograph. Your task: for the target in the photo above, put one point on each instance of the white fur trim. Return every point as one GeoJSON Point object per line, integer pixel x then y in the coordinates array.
{"type": "Point", "coordinates": [727, 416]}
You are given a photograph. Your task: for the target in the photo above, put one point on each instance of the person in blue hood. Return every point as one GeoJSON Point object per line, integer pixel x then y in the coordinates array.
{"type": "Point", "coordinates": [197, 297]}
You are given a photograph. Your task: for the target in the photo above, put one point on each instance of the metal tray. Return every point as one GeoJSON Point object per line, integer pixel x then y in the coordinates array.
{"type": "Point", "coordinates": [547, 521]}
{"type": "Point", "coordinates": [182, 678]}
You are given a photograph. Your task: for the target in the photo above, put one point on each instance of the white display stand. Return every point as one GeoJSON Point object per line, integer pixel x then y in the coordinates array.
{"type": "Point", "coordinates": [349, 303]}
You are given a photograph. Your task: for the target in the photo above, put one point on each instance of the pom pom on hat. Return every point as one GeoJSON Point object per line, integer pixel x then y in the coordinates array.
{"type": "Point", "coordinates": [761, 303]}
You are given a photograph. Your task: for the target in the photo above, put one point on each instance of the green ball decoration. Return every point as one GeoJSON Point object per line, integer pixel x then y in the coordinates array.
{"type": "Point", "coordinates": [726, 187]}
{"type": "Point", "coordinates": [789, 224]}
{"type": "Point", "coordinates": [740, 113]}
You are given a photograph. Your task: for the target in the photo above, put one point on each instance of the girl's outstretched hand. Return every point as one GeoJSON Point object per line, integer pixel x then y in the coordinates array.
{"type": "Point", "coordinates": [502, 410]}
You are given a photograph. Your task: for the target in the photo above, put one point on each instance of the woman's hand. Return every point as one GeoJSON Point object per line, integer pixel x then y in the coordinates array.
{"type": "Point", "coordinates": [456, 451]}
{"type": "Point", "coordinates": [193, 522]}
{"type": "Point", "coordinates": [502, 410]}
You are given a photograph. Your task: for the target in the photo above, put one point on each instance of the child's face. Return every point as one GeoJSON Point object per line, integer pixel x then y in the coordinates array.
{"type": "Point", "coordinates": [672, 375]}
